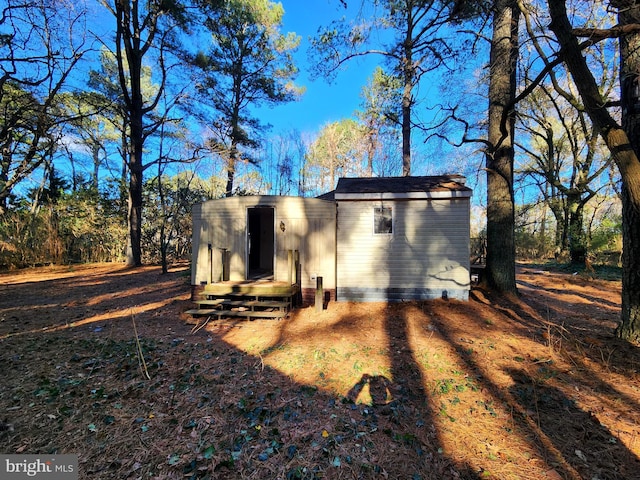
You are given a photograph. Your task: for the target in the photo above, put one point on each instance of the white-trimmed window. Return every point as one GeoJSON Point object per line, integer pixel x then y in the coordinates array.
{"type": "Point", "coordinates": [382, 220]}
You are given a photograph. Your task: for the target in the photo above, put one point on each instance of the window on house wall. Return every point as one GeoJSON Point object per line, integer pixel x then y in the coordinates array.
{"type": "Point", "coordinates": [382, 220]}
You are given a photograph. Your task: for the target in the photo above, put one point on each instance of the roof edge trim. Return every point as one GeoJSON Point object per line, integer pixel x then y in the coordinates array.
{"type": "Point", "coordinates": [403, 196]}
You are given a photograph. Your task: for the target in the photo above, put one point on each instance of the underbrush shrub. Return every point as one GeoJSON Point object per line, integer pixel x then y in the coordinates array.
{"type": "Point", "coordinates": [66, 232]}
{"type": "Point", "coordinates": [30, 238]}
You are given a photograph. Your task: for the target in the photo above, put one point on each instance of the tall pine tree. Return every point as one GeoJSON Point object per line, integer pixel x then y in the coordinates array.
{"type": "Point", "coordinates": [248, 63]}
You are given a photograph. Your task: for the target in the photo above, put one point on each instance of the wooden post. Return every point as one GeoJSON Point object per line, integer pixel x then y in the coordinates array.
{"type": "Point", "coordinates": [319, 295]}
{"type": "Point", "coordinates": [210, 254]}
{"type": "Point", "coordinates": [225, 270]}
{"type": "Point", "coordinates": [290, 265]}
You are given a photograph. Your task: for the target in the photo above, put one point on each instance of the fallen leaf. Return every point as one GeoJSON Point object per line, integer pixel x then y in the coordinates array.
{"type": "Point", "coordinates": [208, 452]}
{"type": "Point", "coordinates": [581, 455]}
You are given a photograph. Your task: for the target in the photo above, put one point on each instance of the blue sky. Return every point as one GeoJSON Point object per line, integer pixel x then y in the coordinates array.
{"type": "Point", "coordinates": [325, 102]}
{"type": "Point", "coordinates": [322, 102]}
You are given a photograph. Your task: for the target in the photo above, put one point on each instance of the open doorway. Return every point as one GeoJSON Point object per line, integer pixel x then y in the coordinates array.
{"type": "Point", "coordinates": [260, 242]}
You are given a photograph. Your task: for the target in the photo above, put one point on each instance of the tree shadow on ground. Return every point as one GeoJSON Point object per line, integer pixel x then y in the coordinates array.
{"type": "Point", "coordinates": [171, 402]}
{"type": "Point", "coordinates": [581, 340]}
{"type": "Point", "coordinates": [588, 298]}
{"type": "Point", "coordinates": [411, 404]}
{"type": "Point", "coordinates": [547, 416]}
{"type": "Point", "coordinates": [587, 445]}
{"type": "Point", "coordinates": [199, 407]}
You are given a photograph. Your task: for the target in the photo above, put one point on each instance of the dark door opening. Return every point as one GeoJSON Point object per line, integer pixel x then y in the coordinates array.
{"type": "Point", "coordinates": [261, 242]}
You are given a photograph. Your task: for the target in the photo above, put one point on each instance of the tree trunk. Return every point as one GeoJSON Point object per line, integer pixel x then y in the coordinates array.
{"type": "Point", "coordinates": [406, 131]}
{"type": "Point", "coordinates": [618, 142]}
{"type": "Point", "coordinates": [577, 240]}
{"type": "Point", "coordinates": [372, 144]}
{"type": "Point", "coordinates": [134, 253]}
{"type": "Point", "coordinates": [231, 173]}
{"type": "Point", "coordinates": [409, 73]}
{"type": "Point", "coordinates": [236, 135]}
{"type": "Point", "coordinates": [136, 141]}
{"type": "Point", "coordinates": [629, 328]}
{"type": "Point", "coordinates": [561, 228]}
{"type": "Point", "coordinates": [130, 78]}
{"type": "Point", "coordinates": [501, 253]}
{"type": "Point", "coordinates": [4, 175]}
{"type": "Point", "coordinates": [96, 167]}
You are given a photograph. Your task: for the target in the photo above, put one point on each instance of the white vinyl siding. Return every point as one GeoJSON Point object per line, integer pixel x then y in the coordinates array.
{"type": "Point", "coordinates": [427, 254]}
{"type": "Point", "coordinates": [309, 227]}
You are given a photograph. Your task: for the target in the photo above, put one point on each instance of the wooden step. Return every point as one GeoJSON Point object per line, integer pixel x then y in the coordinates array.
{"type": "Point", "coordinates": [201, 312]}
{"type": "Point", "coordinates": [244, 303]}
{"type": "Point", "coordinates": [251, 295]}
{"type": "Point", "coordinates": [248, 300]}
{"type": "Point", "coordinates": [210, 301]}
{"type": "Point", "coordinates": [249, 290]}
{"type": "Point", "coordinates": [198, 312]}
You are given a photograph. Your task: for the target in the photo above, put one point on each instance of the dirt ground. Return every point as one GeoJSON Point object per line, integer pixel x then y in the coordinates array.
{"type": "Point", "coordinates": [101, 361]}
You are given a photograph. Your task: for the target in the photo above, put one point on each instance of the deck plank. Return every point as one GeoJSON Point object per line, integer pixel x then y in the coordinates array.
{"type": "Point", "coordinates": [199, 312]}
{"type": "Point", "coordinates": [245, 303]}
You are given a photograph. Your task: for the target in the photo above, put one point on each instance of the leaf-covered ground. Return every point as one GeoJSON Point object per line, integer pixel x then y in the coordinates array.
{"type": "Point", "coordinates": [100, 361]}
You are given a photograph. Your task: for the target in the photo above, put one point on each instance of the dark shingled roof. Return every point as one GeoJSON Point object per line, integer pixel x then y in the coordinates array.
{"type": "Point", "coordinates": [435, 183]}
{"type": "Point", "coordinates": [438, 183]}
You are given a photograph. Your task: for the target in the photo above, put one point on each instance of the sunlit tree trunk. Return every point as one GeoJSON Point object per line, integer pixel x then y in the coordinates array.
{"type": "Point", "coordinates": [501, 253]}
{"type": "Point", "coordinates": [236, 133]}
{"type": "Point", "coordinates": [623, 146]}
{"type": "Point", "coordinates": [630, 97]}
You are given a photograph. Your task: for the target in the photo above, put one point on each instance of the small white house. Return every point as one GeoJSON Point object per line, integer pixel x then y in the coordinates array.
{"type": "Point", "coordinates": [263, 237]}
{"type": "Point", "coordinates": [371, 239]}
{"type": "Point", "coordinates": [402, 238]}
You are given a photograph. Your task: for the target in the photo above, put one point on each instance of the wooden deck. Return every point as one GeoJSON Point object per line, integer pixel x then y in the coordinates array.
{"type": "Point", "coordinates": [247, 299]}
